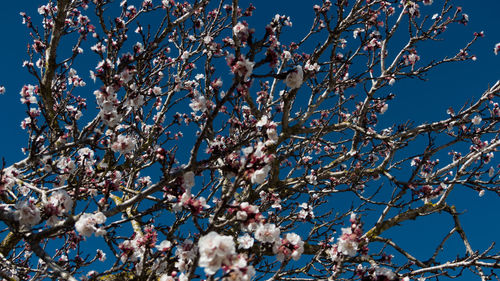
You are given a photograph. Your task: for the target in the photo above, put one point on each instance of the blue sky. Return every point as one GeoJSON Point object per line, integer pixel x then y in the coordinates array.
{"type": "Point", "coordinates": [448, 85]}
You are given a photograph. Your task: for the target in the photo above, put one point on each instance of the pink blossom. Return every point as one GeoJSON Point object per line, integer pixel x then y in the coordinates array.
{"type": "Point", "coordinates": [411, 58]}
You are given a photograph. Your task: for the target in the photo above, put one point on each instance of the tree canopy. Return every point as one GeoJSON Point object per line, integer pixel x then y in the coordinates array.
{"type": "Point", "coordinates": [173, 140]}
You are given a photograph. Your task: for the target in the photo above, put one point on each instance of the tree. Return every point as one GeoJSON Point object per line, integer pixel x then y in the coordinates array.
{"type": "Point", "coordinates": [215, 150]}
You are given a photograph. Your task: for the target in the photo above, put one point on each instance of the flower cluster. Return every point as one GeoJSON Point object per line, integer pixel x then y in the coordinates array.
{"type": "Point", "coordinates": [87, 224]}
{"type": "Point", "coordinates": [215, 250]}
{"type": "Point", "coordinates": [124, 144]}
{"type": "Point", "coordinates": [268, 233]}
{"type": "Point", "coordinates": [8, 179]}
{"type": "Point", "coordinates": [132, 249]}
{"type": "Point", "coordinates": [241, 66]}
{"type": "Point", "coordinates": [348, 242]}
{"type": "Point", "coordinates": [241, 31]}
{"type": "Point", "coordinates": [218, 251]}
{"type": "Point", "coordinates": [27, 213]}
{"type": "Point", "coordinates": [199, 102]}
{"type": "Point", "coordinates": [28, 94]}
{"type": "Point", "coordinates": [306, 211]}
{"type": "Point", "coordinates": [257, 162]}
{"type": "Point", "coordinates": [58, 204]}
{"type": "Point", "coordinates": [185, 253]}
{"type": "Point", "coordinates": [184, 197]}
{"type": "Point", "coordinates": [249, 215]}
{"type": "Point", "coordinates": [291, 246]}
{"type": "Point", "coordinates": [108, 104]}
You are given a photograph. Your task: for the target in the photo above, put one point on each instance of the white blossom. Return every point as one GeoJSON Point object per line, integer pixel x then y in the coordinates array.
{"type": "Point", "coordinates": [164, 245]}
{"type": "Point", "coordinates": [292, 246]}
{"type": "Point", "coordinates": [199, 103]}
{"type": "Point", "coordinates": [384, 108]}
{"type": "Point", "coordinates": [185, 253]}
{"type": "Point", "coordinates": [241, 31]}
{"type": "Point", "coordinates": [215, 251]}
{"type": "Point", "coordinates": [245, 68]}
{"type": "Point", "coordinates": [347, 244]}
{"type": "Point", "coordinates": [272, 134]}
{"type": "Point", "coordinates": [263, 121]}
{"type": "Point", "coordinates": [392, 80]}
{"type": "Point", "coordinates": [295, 77]}
{"type": "Point", "coordinates": [86, 224]}
{"type": "Point", "coordinates": [481, 193]}
{"type": "Point", "coordinates": [27, 213]}
{"type": "Point", "coordinates": [260, 175]}
{"type": "Point", "coordinates": [134, 250]}
{"type": "Point", "coordinates": [241, 215]}
{"type": "Point", "coordinates": [165, 3]}
{"type": "Point", "coordinates": [62, 200]}
{"type": "Point", "coordinates": [286, 55]}
{"type": "Point", "coordinates": [267, 233]}
{"type": "Point", "coordinates": [312, 66]}
{"type": "Point", "coordinates": [477, 120]}
{"type": "Point", "coordinates": [245, 241]}
{"type": "Point", "coordinates": [101, 255]}
{"type": "Point", "coordinates": [124, 144]}
{"type": "Point", "coordinates": [239, 268]}
{"type": "Point", "coordinates": [166, 277]}
{"type": "Point", "coordinates": [384, 271]}
{"type": "Point", "coordinates": [66, 165]}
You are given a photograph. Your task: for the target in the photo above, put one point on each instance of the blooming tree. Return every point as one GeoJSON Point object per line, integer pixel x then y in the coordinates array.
{"type": "Point", "coordinates": [211, 149]}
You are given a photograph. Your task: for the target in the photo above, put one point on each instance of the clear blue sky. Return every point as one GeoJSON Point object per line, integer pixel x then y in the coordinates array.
{"type": "Point", "coordinates": [449, 85]}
